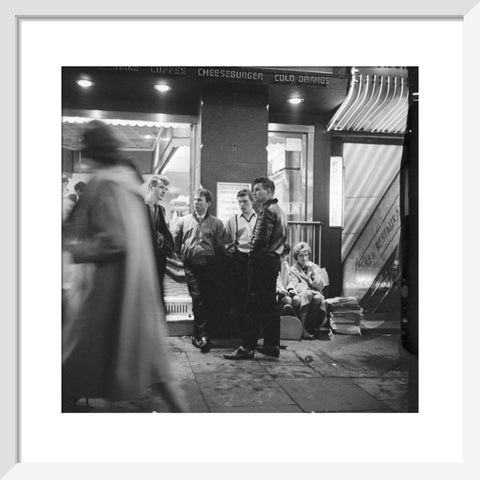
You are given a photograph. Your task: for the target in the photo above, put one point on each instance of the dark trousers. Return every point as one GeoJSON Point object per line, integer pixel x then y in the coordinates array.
{"type": "Point", "coordinates": [200, 286]}
{"type": "Point", "coordinates": [262, 307]}
{"type": "Point", "coordinates": [239, 286]}
{"type": "Point", "coordinates": [161, 261]}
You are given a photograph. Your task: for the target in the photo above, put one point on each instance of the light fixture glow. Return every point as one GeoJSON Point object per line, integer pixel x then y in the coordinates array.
{"type": "Point", "coordinates": [84, 83]}
{"type": "Point", "coordinates": [161, 87]}
{"type": "Point", "coordinates": [295, 100]}
{"type": "Point", "coordinates": [147, 137]}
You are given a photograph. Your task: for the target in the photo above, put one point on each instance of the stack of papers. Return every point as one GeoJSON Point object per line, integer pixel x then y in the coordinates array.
{"type": "Point", "coordinates": [346, 315]}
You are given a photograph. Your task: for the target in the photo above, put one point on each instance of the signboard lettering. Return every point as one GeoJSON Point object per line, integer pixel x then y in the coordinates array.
{"type": "Point", "coordinates": [230, 74]}
{"type": "Point", "coordinates": [336, 192]}
{"type": "Point", "coordinates": [180, 71]}
{"type": "Point", "coordinates": [240, 74]}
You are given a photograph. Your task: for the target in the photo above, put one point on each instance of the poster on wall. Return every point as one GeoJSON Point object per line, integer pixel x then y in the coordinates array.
{"type": "Point", "coordinates": [227, 204]}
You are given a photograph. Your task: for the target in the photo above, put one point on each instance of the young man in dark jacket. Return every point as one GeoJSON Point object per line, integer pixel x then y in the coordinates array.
{"type": "Point", "coordinates": [267, 244]}
{"type": "Point", "coordinates": [161, 236]}
{"type": "Point", "coordinates": [198, 238]}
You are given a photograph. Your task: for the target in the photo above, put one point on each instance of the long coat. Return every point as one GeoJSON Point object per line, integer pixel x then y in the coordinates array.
{"type": "Point", "coordinates": [114, 325]}
{"type": "Point", "coordinates": [305, 282]}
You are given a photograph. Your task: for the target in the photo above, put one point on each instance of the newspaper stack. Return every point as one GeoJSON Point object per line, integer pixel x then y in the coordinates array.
{"type": "Point", "coordinates": [346, 315]}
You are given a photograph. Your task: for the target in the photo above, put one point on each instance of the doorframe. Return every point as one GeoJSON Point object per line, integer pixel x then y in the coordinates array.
{"type": "Point", "coordinates": [309, 130]}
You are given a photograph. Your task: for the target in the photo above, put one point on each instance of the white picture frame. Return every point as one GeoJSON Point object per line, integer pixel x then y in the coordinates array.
{"type": "Point", "coordinates": [10, 467]}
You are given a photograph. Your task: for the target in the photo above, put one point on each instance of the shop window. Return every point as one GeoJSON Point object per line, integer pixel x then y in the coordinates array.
{"type": "Point", "coordinates": [158, 147]}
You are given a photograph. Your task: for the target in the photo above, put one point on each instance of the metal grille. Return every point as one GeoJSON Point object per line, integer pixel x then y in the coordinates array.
{"type": "Point", "coordinates": [310, 232]}
{"type": "Point", "coordinates": [178, 306]}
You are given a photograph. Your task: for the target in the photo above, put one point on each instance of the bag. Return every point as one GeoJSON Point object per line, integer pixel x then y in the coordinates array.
{"type": "Point", "coordinates": [290, 328]}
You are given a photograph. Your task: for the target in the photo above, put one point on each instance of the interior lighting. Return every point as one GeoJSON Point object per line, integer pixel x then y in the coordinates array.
{"type": "Point", "coordinates": [295, 100]}
{"type": "Point", "coordinates": [84, 83]}
{"type": "Point", "coordinates": [147, 137]}
{"type": "Point", "coordinates": [161, 87]}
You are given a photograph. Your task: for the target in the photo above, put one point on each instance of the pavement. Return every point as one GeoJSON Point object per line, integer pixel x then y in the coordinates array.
{"type": "Point", "coordinates": [346, 374]}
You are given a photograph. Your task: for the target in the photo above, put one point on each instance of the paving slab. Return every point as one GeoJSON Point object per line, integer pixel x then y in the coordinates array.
{"type": "Point", "coordinates": [242, 366]}
{"type": "Point", "coordinates": [326, 366]}
{"type": "Point", "coordinates": [287, 357]}
{"type": "Point", "coordinates": [259, 409]}
{"type": "Point", "coordinates": [291, 371]}
{"type": "Point", "coordinates": [181, 368]}
{"type": "Point", "coordinates": [390, 391]}
{"type": "Point", "coordinates": [194, 396]}
{"type": "Point", "coordinates": [371, 353]}
{"type": "Point", "coordinates": [214, 361]}
{"type": "Point", "coordinates": [330, 395]}
{"type": "Point", "coordinates": [230, 388]}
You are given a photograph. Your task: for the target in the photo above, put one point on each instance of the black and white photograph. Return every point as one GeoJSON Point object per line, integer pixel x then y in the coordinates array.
{"type": "Point", "coordinates": [265, 210]}
{"type": "Point", "coordinates": [239, 239]}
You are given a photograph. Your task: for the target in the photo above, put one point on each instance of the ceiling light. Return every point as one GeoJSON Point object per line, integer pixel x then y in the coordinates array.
{"type": "Point", "coordinates": [84, 83]}
{"type": "Point", "coordinates": [161, 87]}
{"type": "Point", "coordinates": [295, 100]}
{"type": "Point", "coordinates": [147, 137]}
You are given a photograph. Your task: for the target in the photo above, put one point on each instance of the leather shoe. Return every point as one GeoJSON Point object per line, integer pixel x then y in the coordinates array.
{"type": "Point", "coordinates": [240, 354]}
{"type": "Point", "coordinates": [269, 350]}
{"type": "Point", "coordinates": [203, 343]}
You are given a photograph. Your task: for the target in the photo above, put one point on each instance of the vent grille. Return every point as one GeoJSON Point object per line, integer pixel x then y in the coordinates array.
{"type": "Point", "coordinates": [178, 306]}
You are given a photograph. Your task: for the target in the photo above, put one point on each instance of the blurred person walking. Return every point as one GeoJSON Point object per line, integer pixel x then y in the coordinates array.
{"type": "Point", "coordinates": [114, 326]}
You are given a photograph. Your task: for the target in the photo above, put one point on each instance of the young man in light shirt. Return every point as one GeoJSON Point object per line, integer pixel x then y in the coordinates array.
{"type": "Point", "coordinates": [239, 229]}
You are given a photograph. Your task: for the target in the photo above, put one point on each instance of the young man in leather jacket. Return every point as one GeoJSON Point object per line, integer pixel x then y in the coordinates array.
{"type": "Point", "coordinates": [267, 244]}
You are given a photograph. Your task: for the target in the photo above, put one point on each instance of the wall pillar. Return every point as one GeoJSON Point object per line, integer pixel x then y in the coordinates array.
{"type": "Point", "coordinates": [234, 136]}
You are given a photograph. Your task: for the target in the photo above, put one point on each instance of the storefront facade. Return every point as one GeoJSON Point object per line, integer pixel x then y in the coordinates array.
{"type": "Point", "coordinates": [221, 127]}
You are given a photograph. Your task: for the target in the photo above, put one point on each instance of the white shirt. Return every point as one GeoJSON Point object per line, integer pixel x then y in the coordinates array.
{"type": "Point", "coordinates": [240, 228]}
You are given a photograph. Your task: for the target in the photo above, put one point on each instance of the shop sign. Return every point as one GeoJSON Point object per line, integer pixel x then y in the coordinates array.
{"type": "Point", "coordinates": [241, 74]}
{"type": "Point", "coordinates": [383, 239]}
{"type": "Point", "coordinates": [227, 203]}
{"type": "Point", "coordinates": [336, 192]}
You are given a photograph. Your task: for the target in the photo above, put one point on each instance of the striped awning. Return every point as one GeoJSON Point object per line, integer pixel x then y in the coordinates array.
{"type": "Point", "coordinates": [375, 103]}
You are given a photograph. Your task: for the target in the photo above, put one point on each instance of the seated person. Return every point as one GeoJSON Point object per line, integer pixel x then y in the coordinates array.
{"type": "Point", "coordinates": [308, 280]}
{"type": "Point", "coordinates": [286, 299]}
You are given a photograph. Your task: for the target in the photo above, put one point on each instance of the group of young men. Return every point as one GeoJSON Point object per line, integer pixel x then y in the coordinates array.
{"type": "Point", "coordinates": [254, 241]}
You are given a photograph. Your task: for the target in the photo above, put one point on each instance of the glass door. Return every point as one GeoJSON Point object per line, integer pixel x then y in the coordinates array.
{"type": "Point", "coordinates": [290, 166]}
